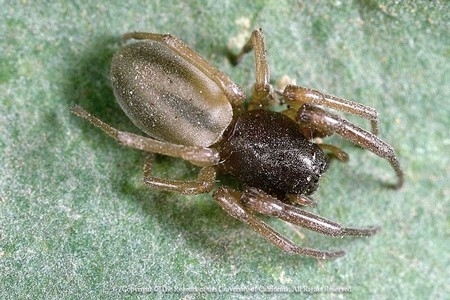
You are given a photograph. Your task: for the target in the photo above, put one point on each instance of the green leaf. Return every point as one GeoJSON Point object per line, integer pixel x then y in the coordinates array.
{"type": "Point", "coordinates": [77, 221]}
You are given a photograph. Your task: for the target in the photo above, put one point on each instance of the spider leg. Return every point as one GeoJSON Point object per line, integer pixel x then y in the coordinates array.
{"type": "Point", "coordinates": [301, 200]}
{"type": "Point", "coordinates": [229, 200]}
{"type": "Point", "coordinates": [262, 90]}
{"type": "Point", "coordinates": [257, 200]}
{"type": "Point", "coordinates": [337, 152]}
{"type": "Point", "coordinates": [315, 117]}
{"type": "Point", "coordinates": [296, 96]}
{"type": "Point", "coordinates": [204, 183]}
{"type": "Point", "coordinates": [199, 156]}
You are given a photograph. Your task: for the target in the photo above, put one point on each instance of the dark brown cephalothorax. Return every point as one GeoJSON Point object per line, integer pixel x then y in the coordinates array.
{"type": "Point", "coordinates": [191, 110]}
{"type": "Point", "coordinates": [265, 150]}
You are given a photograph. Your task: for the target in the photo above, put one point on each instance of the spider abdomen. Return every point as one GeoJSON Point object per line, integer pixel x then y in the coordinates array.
{"type": "Point", "coordinates": [266, 150]}
{"type": "Point", "coordinates": [167, 97]}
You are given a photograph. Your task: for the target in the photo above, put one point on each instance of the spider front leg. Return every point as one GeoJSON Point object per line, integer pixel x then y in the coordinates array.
{"type": "Point", "coordinates": [261, 202]}
{"type": "Point", "coordinates": [296, 96]}
{"type": "Point", "coordinates": [320, 119]}
{"type": "Point", "coordinates": [229, 200]}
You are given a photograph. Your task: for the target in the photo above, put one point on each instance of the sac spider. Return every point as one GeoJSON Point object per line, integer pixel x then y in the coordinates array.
{"type": "Point", "coordinates": [191, 110]}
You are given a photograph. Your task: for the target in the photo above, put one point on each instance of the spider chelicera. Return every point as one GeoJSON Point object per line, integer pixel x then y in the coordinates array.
{"type": "Point", "coordinates": [191, 110]}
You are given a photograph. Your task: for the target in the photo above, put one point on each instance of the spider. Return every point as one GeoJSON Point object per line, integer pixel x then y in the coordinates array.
{"type": "Point", "coordinates": [191, 110]}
